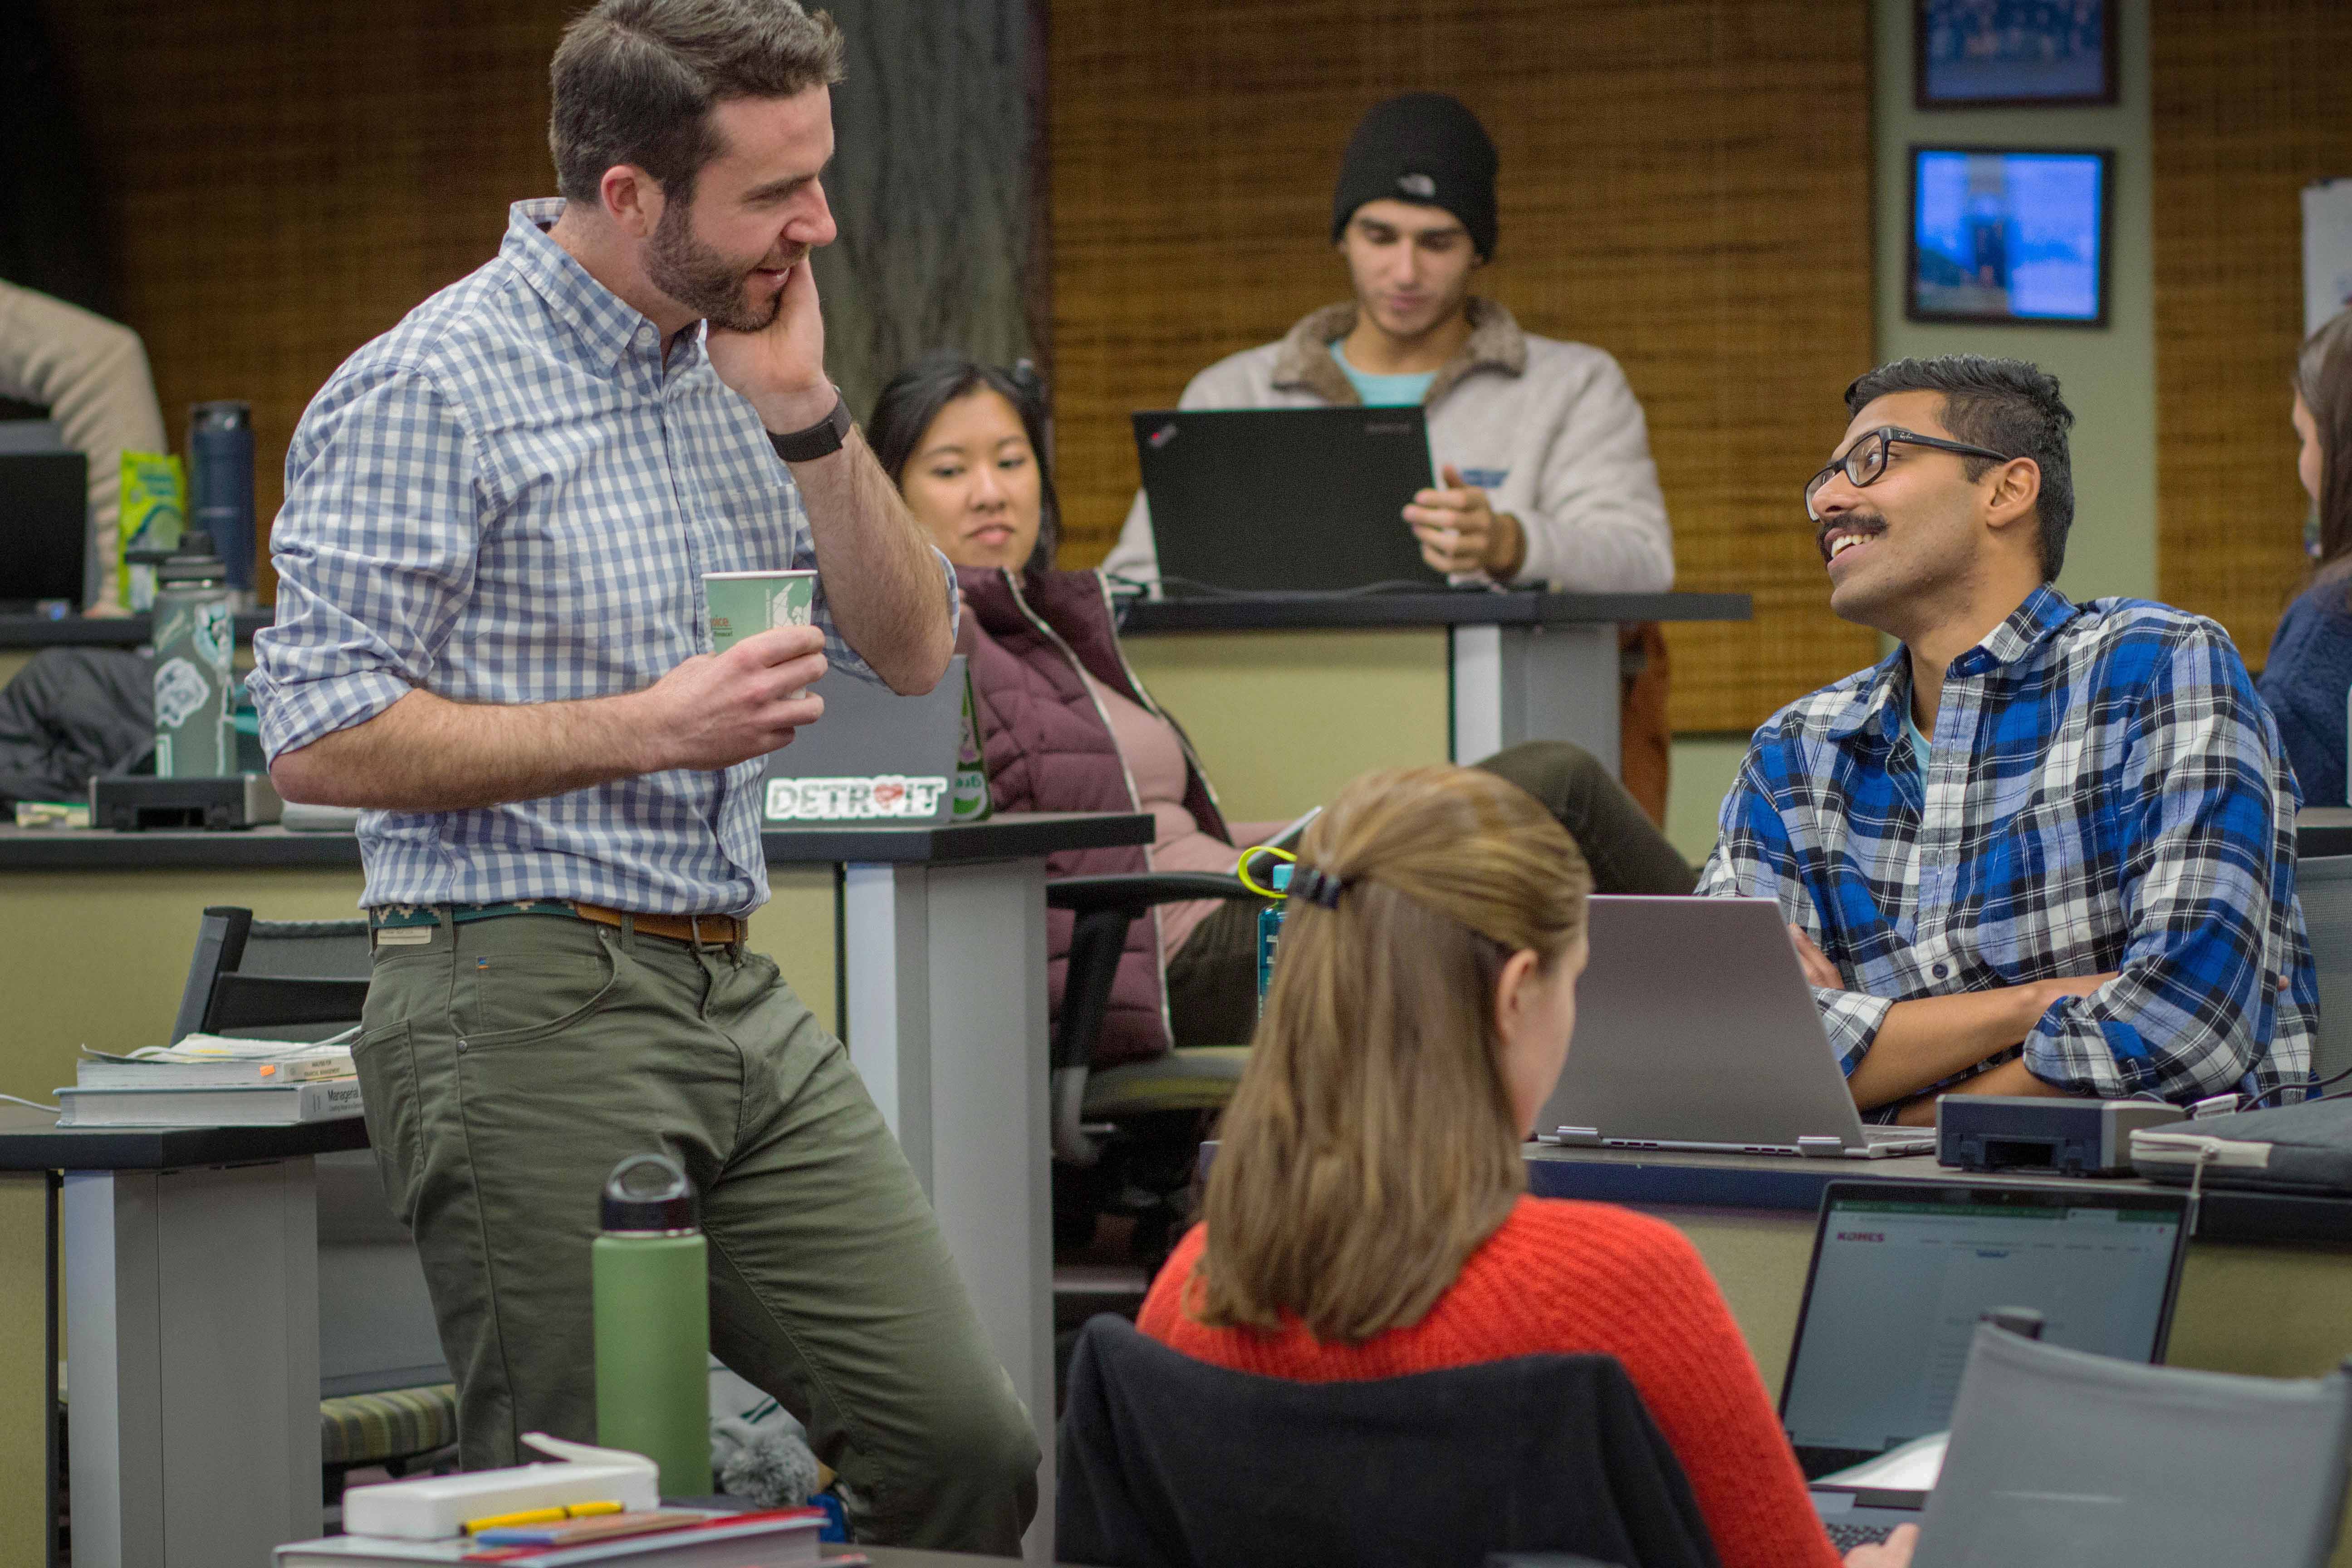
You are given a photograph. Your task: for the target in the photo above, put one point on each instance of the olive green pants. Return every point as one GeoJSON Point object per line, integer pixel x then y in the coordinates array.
{"type": "Point", "coordinates": [508, 1064]}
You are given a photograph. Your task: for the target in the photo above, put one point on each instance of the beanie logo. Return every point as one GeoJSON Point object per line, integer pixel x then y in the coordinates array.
{"type": "Point", "coordinates": [1420, 188]}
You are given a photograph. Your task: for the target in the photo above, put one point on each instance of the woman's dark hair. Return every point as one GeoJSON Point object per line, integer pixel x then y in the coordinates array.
{"type": "Point", "coordinates": [2323, 378]}
{"type": "Point", "coordinates": [904, 412]}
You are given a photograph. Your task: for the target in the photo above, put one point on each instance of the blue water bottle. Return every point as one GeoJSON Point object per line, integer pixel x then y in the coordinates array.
{"type": "Point", "coordinates": [220, 486]}
{"type": "Point", "coordinates": [1269, 931]}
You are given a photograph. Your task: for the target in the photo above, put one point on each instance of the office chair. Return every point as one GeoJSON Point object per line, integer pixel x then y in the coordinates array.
{"type": "Point", "coordinates": [1169, 1460]}
{"type": "Point", "coordinates": [2058, 1455]}
{"type": "Point", "coordinates": [1125, 1137]}
{"type": "Point", "coordinates": [2324, 884]}
{"type": "Point", "coordinates": [273, 979]}
{"type": "Point", "coordinates": [386, 1396]}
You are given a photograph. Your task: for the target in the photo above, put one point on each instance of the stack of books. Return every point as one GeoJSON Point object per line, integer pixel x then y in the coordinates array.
{"type": "Point", "coordinates": [671, 1537]}
{"type": "Point", "coordinates": [208, 1081]}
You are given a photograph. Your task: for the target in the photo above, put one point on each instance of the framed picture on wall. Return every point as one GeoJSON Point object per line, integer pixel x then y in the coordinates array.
{"type": "Point", "coordinates": [2010, 233]}
{"type": "Point", "coordinates": [1981, 53]}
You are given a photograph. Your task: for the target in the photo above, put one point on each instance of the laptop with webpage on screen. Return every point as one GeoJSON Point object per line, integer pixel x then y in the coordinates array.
{"type": "Point", "coordinates": [1901, 1273]}
{"type": "Point", "coordinates": [1695, 1029]}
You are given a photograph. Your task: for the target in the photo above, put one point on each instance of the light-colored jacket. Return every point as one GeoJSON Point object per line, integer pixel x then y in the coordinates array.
{"type": "Point", "coordinates": [1550, 430]}
{"type": "Point", "coordinates": [92, 375]}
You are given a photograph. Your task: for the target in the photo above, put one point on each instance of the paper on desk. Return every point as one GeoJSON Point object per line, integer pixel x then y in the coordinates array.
{"type": "Point", "coordinates": [1911, 1467]}
{"type": "Point", "coordinates": [222, 1048]}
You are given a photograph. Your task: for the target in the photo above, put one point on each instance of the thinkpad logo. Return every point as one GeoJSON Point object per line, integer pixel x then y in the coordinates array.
{"type": "Point", "coordinates": [1417, 185]}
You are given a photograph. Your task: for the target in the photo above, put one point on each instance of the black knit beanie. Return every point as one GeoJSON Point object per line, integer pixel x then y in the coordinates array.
{"type": "Point", "coordinates": [1424, 147]}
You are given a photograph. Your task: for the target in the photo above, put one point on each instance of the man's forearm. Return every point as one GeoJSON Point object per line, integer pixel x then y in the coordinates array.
{"type": "Point", "coordinates": [2012, 1077]}
{"type": "Point", "coordinates": [427, 753]}
{"type": "Point", "coordinates": [882, 581]}
{"type": "Point", "coordinates": [1929, 1039]}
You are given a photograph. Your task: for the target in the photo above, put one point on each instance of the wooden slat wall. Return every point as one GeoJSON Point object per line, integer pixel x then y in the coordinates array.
{"type": "Point", "coordinates": [285, 179]}
{"type": "Point", "coordinates": [2250, 104]}
{"type": "Point", "coordinates": [1686, 183]}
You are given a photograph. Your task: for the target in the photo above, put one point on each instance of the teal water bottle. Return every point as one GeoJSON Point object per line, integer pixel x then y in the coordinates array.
{"type": "Point", "coordinates": [653, 1322]}
{"type": "Point", "coordinates": [195, 641]}
{"type": "Point", "coordinates": [1269, 931]}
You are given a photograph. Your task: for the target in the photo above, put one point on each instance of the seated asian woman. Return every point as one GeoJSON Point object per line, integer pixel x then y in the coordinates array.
{"type": "Point", "coordinates": [1367, 1217]}
{"type": "Point", "coordinates": [1067, 725]}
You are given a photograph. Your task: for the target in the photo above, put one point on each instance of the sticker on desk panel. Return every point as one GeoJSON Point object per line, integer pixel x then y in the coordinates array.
{"type": "Point", "coordinates": [881, 797]}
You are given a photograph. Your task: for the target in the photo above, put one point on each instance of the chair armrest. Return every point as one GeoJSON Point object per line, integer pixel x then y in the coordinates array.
{"type": "Point", "coordinates": [1136, 893]}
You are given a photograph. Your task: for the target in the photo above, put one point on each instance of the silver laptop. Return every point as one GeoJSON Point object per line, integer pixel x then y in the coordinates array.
{"type": "Point", "coordinates": [874, 756]}
{"type": "Point", "coordinates": [1901, 1273]}
{"type": "Point", "coordinates": [1695, 1029]}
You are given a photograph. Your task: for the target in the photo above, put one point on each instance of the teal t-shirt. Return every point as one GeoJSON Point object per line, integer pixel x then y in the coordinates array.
{"type": "Point", "coordinates": [1384, 391]}
{"type": "Point", "coordinates": [1918, 741]}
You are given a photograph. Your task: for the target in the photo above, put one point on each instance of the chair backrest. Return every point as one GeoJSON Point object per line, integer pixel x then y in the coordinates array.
{"type": "Point", "coordinates": [274, 979]}
{"type": "Point", "coordinates": [2058, 1455]}
{"type": "Point", "coordinates": [2324, 884]}
{"type": "Point", "coordinates": [1166, 1459]}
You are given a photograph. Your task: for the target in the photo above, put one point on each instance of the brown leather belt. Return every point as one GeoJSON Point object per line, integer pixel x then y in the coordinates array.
{"type": "Point", "coordinates": [702, 931]}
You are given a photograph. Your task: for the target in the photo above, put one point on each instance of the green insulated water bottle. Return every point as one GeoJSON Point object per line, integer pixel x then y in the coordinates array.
{"type": "Point", "coordinates": [195, 639]}
{"type": "Point", "coordinates": [653, 1323]}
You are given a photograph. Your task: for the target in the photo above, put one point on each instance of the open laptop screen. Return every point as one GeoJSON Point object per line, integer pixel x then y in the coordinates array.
{"type": "Point", "coordinates": [1901, 1271]}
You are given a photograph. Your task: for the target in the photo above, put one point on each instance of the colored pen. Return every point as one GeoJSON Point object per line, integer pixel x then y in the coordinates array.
{"type": "Point", "coordinates": [540, 1516]}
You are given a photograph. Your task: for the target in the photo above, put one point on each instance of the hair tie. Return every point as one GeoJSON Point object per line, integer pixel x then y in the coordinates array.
{"type": "Point", "coordinates": [1317, 886]}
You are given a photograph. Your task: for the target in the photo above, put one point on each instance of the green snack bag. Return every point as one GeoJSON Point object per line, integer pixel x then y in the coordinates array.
{"type": "Point", "coordinates": [153, 511]}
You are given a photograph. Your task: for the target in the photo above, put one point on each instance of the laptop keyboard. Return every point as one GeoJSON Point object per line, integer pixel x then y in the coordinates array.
{"type": "Point", "coordinates": [1846, 1536]}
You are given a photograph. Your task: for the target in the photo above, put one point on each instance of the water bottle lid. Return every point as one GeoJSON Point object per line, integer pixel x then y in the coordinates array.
{"type": "Point", "coordinates": [650, 1194]}
{"type": "Point", "coordinates": [1281, 877]}
{"type": "Point", "coordinates": [191, 560]}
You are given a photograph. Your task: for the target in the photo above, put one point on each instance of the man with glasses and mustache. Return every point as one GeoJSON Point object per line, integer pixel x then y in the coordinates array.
{"type": "Point", "coordinates": [2041, 847]}
{"type": "Point", "coordinates": [491, 635]}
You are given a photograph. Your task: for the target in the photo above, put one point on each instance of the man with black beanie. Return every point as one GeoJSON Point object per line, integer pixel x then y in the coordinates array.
{"type": "Point", "coordinates": [1545, 469]}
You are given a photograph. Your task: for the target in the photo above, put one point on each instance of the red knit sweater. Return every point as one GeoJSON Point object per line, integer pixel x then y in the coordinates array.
{"type": "Point", "coordinates": [1574, 1278]}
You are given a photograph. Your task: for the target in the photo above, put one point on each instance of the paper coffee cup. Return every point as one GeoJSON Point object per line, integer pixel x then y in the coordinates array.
{"type": "Point", "coordinates": [745, 604]}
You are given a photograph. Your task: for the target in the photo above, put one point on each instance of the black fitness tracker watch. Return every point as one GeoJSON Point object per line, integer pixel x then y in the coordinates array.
{"type": "Point", "coordinates": [822, 439]}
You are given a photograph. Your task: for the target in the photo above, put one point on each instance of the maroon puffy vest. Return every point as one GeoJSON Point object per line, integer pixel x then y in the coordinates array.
{"type": "Point", "coordinates": [1049, 748]}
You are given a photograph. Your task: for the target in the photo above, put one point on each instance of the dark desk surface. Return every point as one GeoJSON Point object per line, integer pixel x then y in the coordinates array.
{"type": "Point", "coordinates": [102, 631]}
{"type": "Point", "coordinates": [1277, 612]}
{"type": "Point", "coordinates": [1012, 835]}
{"type": "Point", "coordinates": [31, 1140]}
{"type": "Point", "coordinates": [1646, 1178]}
{"type": "Point", "coordinates": [2322, 830]}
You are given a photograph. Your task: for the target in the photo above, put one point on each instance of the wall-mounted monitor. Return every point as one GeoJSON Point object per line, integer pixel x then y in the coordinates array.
{"type": "Point", "coordinates": [2010, 233]}
{"type": "Point", "coordinates": [1976, 54]}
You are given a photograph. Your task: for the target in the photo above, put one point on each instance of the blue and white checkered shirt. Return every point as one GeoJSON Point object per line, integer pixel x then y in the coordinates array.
{"type": "Point", "coordinates": [2105, 792]}
{"type": "Point", "coordinates": [511, 497]}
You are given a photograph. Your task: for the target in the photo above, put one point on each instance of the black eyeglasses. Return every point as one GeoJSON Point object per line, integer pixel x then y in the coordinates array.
{"type": "Point", "coordinates": [1866, 460]}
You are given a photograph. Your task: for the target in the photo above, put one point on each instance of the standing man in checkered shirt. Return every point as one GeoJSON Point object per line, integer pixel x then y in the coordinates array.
{"type": "Point", "coordinates": [490, 635]}
{"type": "Point", "coordinates": [2041, 847]}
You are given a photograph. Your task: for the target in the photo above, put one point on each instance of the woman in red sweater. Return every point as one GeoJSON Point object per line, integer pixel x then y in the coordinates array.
{"type": "Point", "coordinates": [1366, 1214]}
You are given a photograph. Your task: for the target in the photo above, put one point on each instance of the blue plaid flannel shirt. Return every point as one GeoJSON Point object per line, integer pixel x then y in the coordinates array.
{"type": "Point", "coordinates": [511, 497]}
{"type": "Point", "coordinates": [2104, 791]}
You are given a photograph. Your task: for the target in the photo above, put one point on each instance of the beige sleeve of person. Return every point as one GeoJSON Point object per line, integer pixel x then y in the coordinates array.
{"type": "Point", "coordinates": [1599, 522]}
{"type": "Point", "coordinates": [91, 373]}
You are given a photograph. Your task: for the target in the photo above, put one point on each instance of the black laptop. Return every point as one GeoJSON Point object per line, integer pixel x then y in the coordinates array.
{"type": "Point", "coordinates": [1301, 500]}
{"type": "Point", "coordinates": [1901, 1271]}
{"type": "Point", "coordinates": [44, 528]}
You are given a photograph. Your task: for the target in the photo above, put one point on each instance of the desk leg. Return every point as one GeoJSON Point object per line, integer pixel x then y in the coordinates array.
{"type": "Point", "coordinates": [192, 1363]}
{"type": "Point", "coordinates": [947, 1024]}
{"type": "Point", "coordinates": [1535, 683]}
